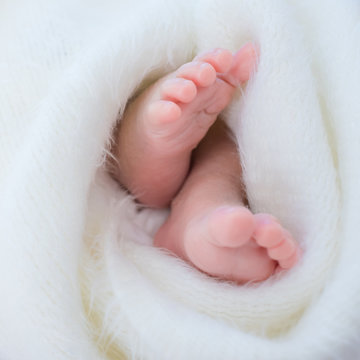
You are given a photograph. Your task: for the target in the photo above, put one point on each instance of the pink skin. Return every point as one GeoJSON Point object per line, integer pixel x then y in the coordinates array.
{"type": "Point", "coordinates": [174, 122]}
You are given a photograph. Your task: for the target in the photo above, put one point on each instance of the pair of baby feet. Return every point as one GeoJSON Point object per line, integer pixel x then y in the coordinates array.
{"type": "Point", "coordinates": [173, 150]}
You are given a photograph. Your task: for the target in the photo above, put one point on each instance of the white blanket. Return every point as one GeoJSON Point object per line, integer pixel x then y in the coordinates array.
{"type": "Point", "coordinates": [79, 277]}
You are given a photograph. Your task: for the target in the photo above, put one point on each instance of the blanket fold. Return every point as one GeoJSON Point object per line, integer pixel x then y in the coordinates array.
{"type": "Point", "coordinates": [80, 277]}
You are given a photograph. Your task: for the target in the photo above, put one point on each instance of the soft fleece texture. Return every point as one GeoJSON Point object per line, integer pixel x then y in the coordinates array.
{"type": "Point", "coordinates": [79, 277]}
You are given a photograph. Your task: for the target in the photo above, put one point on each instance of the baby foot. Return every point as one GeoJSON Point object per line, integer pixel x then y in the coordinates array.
{"type": "Point", "coordinates": [233, 244]}
{"type": "Point", "coordinates": [181, 107]}
{"type": "Point", "coordinates": [166, 122]}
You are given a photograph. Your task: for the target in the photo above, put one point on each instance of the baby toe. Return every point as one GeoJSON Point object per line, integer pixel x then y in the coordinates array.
{"type": "Point", "coordinates": [177, 89]}
{"type": "Point", "coordinates": [220, 59]}
{"type": "Point", "coordinates": [290, 261]}
{"type": "Point", "coordinates": [231, 226]}
{"type": "Point", "coordinates": [283, 251]}
{"type": "Point", "coordinates": [245, 62]}
{"type": "Point", "coordinates": [201, 73]}
{"type": "Point", "coordinates": [268, 232]}
{"type": "Point", "coordinates": [161, 112]}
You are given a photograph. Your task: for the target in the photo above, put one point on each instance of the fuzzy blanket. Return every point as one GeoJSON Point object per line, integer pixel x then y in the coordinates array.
{"type": "Point", "coordinates": [79, 276]}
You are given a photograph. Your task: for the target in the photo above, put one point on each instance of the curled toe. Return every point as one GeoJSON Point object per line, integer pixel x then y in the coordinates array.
{"type": "Point", "coordinates": [231, 226]}
{"type": "Point", "coordinates": [268, 232]}
{"type": "Point", "coordinates": [282, 251]}
{"type": "Point", "coordinates": [162, 112]}
{"type": "Point", "coordinates": [220, 59]}
{"type": "Point", "coordinates": [178, 89]}
{"type": "Point", "coordinates": [201, 73]}
{"type": "Point", "coordinates": [291, 261]}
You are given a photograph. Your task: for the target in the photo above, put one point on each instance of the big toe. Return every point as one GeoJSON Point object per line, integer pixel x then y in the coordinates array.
{"type": "Point", "coordinates": [231, 226]}
{"type": "Point", "coordinates": [244, 64]}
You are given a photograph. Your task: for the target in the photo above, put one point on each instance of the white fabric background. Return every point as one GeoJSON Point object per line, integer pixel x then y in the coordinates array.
{"type": "Point", "coordinates": [80, 278]}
